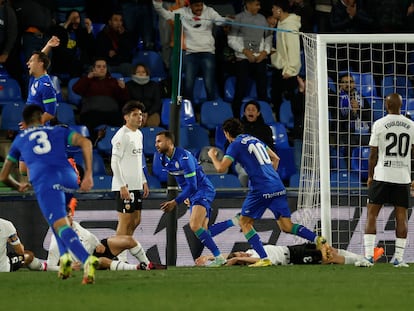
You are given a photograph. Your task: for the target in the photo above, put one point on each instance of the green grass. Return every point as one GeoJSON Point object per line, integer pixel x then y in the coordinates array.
{"type": "Point", "coordinates": [381, 287]}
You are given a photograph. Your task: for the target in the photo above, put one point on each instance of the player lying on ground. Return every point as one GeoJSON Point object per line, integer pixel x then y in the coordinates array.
{"type": "Point", "coordinates": [294, 254]}
{"type": "Point", "coordinates": [106, 250]}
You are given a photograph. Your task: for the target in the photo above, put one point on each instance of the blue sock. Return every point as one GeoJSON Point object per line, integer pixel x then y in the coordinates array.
{"type": "Point", "coordinates": [220, 227]}
{"type": "Point", "coordinates": [71, 240]}
{"type": "Point", "coordinates": [256, 243]}
{"type": "Point", "coordinates": [303, 232]}
{"type": "Point", "coordinates": [62, 247]}
{"type": "Point", "coordinates": [205, 238]}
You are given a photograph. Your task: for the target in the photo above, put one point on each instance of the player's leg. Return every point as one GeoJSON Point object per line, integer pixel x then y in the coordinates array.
{"type": "Point", "coordinates": [222, 226]}
{"type": "Point", "coordinates": [120, 243]}
{"type": "Point", "coordinates": [198, 224]}
{"type": "Point", "coordinates": [401, 231]}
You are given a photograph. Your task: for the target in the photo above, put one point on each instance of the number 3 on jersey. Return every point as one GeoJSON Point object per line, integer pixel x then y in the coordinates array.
{"type": "Point", "coordinates": [260, 153]}
{"type": "Point", "coordinates": [42, 142]}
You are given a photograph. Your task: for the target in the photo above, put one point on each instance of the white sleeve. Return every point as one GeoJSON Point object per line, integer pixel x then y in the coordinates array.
{"type": "Point", "coordinates": [117, 153]}
{"type": "Point", "coordinates": [167, 15]}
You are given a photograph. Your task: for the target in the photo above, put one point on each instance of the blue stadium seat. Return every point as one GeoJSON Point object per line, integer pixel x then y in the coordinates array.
{"type": "Point", "coordinates": [365, 84]}
{"type": "Point", "coordinates": [224, 181]}
{"type": "Point", "coordinates": [73, 98]}
{"type": "Point", "coordinates": [219, 138]}
{"type": "Point", "coordinates": [96, 28]}
{"type": "Point", "coordinates": [397, 84]}
{"type": "Point", "coordinates": [199, 91]}
{"type": "Point", "coordinates": [337, 161]}
{"type": "Point", "coordinates": [280, 136]}
{"type": "Point", "coordinates": [102, 182]}
{"type": "Point", "coordinates": [9, 90]}
{"type": "Point", "coordinates": [149, 134]}
{"type": "Point", "coordinates": [377, 107]}
{"type": "Point", "coordinates": [11, 115]}
{"type": "Point", "coordinates": [104, 146]}
{"type": "Point", "coordinates": [153, 60]}
{"type": "Point", "coordinates": [187, 115]}
{"type": "Point", "coordinates": [81, 129]}
{"type": "Point", "coordinates": [286, 115]}
{"type": "Point", "coordinates": [65, 114]}
{"type": "Point", "coordinates": [98, 164]}
{"type": "Point", "coordinates": [286, 166]}
{"type": "Point", "coordinates": [194, 138]}
{"type": "Point", "coordinates": [345, 179]}
{"type": "Point", "coordinates": [265, 110]}
{"type": "Point", "coordinates": [214, 113]}
{"type": "Point", "coordinates": [410, 108]}
{"type": "Point", "coordinates": [157, 169]}
{"type": "Point", "coordinates": [359, 161]}
{"type": "Point", "coordinates": [56, 85]}
{"type": "Point", "coordinates": [230, 86]}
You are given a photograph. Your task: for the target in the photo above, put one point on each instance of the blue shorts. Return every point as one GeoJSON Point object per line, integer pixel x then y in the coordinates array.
{"type": "Point", "coordinates": [257, 202]}
{"type": "Point", "coordinates": [50, 193]}
{"type": "Point", "coordinates": [203, 197]}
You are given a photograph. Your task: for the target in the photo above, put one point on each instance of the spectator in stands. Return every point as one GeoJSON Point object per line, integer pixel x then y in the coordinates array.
{"type": "Point", "coordinates": [77, 46]}
{"type": "Point", "coordinates": [285, 59]}
{"type": "Point", "coordinates": [349, 16]}
{"type": "Point", "coordinates": [102, 97]}
{"type": "Point", "coordinates": [323, 10]}
{"type": "Point", "coordinates": [298, 110]}
{"type": "Point", "coordinates": [115, 44]}
{"type": "Point", "coordinates": [166, 27]}
{"type": "Point", "coordinates": [35, 18]}
{"type": "Point", "coordinates": [251, 46]}
{"type": "Point", "coordinates": [253, 124]}
{"type": "Point", "coordinates": [9, 52]}
{"type": "Point", "coordinates": [65, 7]}
{"type": "Point", "coordinates": [199, 41]}
{"type": "Point", "coordinates": [304, 9]}
{"type": "Point", "coordinates": [148, 92]}
{"type": "Point", "coordinates": [354, 117]}
{"type": "Point", "coordinates": [138, 18]}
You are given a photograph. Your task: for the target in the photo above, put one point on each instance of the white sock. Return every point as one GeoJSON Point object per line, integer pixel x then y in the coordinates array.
{"type": "Point", "coordinates": [139, 253]}
{"type": "Point", "coordinates": [400, 248]}
{"type": "Point", "coordinates": [122, 256]}
{"type": "Point", "coordinates": [369, 243]}
{"type": "Point", "coordinates": [350, 258]}
{"type": "Point", "coordinates": [120, 265]}
{"type": "Point", "coordinates": [37, 265]}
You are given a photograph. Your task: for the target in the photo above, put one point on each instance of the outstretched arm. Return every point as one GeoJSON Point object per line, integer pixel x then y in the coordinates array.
{"type": "Point", "coordinates": [220, 166]}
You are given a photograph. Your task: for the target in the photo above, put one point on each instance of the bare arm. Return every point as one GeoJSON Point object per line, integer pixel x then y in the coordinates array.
{"type": "Point", "coordinates": [53, 42]}
{"type": "Point", "coordinates": [10, 180]}
{"type": "Point", "coordinates": [372, 162]}
{"type": "Point", "coordinates": [274, 157]}
{"type": "Point", "coordinates": [220, 166]}
{"type": "Point", "coordinates": [86, 146]}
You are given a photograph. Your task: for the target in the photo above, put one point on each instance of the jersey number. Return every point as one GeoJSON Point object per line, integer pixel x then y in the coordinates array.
{"type": "Point", "coordinates": [399, 145]}
{"type": "Point", "coordinates": [42, 142]}
{"type": "Point", "coordinates": [260, 153]}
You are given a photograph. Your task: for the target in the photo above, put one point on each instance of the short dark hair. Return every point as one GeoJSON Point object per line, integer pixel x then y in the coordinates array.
{"type": "Point", "coordinates": [233, 126]}
{"type": "Point", "coordinates": [168, 135]}
{"type": "Point", "coordinates": [32, 114]}
{"type": "Point", "coordinates": [131, 105]}
{"type": "Point", "coordinates": [254, 103]}
{"type": "Point", "coordinates": [43, 58]}
{"type": "Point", "coordinates": [283, 4]}
{"type": "Point", "coordinates": [147, 69]}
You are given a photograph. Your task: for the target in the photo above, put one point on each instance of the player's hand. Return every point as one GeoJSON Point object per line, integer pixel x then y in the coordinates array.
{"type": "Point", "coordinates": [187, 202]}
{"type": "Point", "coordinates": [369, 181]}
{"type": "Point", "coordinates": [86, 184]}
{"type": "Point", "coordinates": [212, 153]}
{"type": "Point", "coordinates": [24, 187]}
{"type": "Point", "coordinates": [168, 206]}
{"type": "Point", "coordinates": [146, 190]}
{"type": "Point", "coordinates": [53, 42]}
{"type": "Point", "coordinates": [22, 125]}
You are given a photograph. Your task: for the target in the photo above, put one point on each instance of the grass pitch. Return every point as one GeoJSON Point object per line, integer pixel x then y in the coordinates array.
{"type": "Point", "coordinates": [331, 287]}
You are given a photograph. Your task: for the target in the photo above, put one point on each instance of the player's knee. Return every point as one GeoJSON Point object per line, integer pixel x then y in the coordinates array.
{"type": "Point", "coordinates": [28, 257]}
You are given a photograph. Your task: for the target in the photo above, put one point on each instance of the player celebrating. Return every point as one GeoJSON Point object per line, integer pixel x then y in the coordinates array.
{"type": "Point", "coordinates": [266, 188]}
{"type": "Point", "coordinates": [389, 177]}
{"type": "Point", "coordinates": [196, 187]}
{"type": "Point", "coordinates": [44, 151]}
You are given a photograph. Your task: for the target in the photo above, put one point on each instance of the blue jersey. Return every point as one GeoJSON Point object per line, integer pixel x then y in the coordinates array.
{"type": "Point", "coordinates": [251, 153]}
{"type": "Point", "coordinates": [42, 93]}
{"type": "Point", "coordinates": [44, 151]}
{"type": "Point", "coordinates": [189, 175]}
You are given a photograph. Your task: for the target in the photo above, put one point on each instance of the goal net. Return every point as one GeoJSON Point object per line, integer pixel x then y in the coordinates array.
{"type": "Point", "coordinates": [347, 78]}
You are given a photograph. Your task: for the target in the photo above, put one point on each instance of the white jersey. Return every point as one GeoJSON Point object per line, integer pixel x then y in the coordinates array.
{"type": "Point", "coordinates": [394, 136]}
{"type": "Point", "coordinates": [7, 230]}
{"type": "Point", "coordinates": [278, 255]}
{"type": "Point", "coordinates": [87, 238]}
{"type": "Point", "coordinates": [127, 151]}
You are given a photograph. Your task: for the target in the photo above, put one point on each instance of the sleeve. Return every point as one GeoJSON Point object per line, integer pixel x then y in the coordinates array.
{"type": "Point", "coordinates": [234, 39]}
{"type": "Point", "coordinates": [49, 98]}
{"type": "Point", "coordinates": [14, 152]}
{"type": "Point", "coordinates": [117, 154]}
{"type": "Point", "coordinates": [82, 85]}
{"type": "Point", "coordinates": [292, 42]}
{"type": "Point", "coordinates": [145, 169]}
{"type": "Point", "coordinates": [167, 15]}
{"type": "Point", "coordinates": [190, 185]}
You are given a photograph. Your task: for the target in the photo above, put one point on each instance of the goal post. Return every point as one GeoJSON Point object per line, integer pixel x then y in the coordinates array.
{"type": "Point", "coordinates": [329, 198]}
